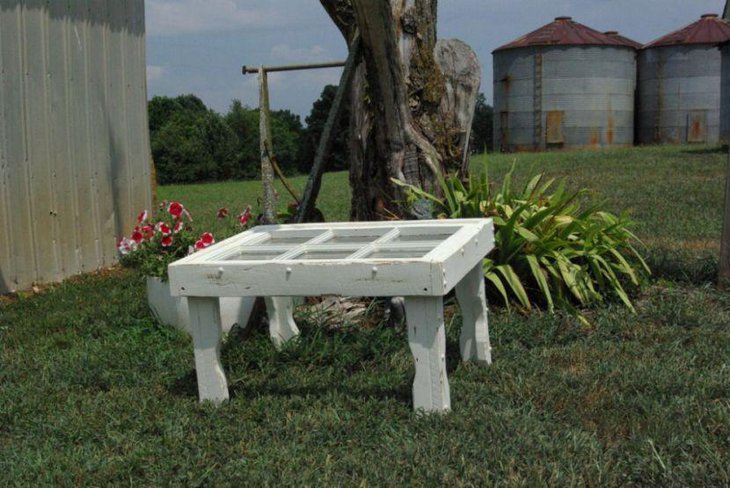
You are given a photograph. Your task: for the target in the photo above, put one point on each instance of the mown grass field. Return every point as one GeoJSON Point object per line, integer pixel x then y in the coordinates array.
{"type": "Point", "coordinates": [94, 392]}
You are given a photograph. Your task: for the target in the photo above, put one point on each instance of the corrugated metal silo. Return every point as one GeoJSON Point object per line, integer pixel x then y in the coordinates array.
{"type": "Point", "coordinates": [564, 85]}
{"type": "Point", "coordinates": [74, 139]}
{"type": "Point", "coordinates": [679, 84]}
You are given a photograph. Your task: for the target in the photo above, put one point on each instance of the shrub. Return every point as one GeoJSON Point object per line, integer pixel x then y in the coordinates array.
{"type": "Point", "coordinates": [167, 236]}
{"type": "Point", "coordinates": [548, 250]}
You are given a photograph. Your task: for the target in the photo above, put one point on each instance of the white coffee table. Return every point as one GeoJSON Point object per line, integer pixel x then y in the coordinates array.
{"type": "Point", "coordinates": [418, 260]}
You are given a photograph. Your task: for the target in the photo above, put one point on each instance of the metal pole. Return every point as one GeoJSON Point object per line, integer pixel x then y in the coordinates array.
{"type": "Point", "coordinates": [267, 170]}
{"type": "Point", "coordinates": [311, 191]}
{"type": "Point", "coordinates": [291, 67]}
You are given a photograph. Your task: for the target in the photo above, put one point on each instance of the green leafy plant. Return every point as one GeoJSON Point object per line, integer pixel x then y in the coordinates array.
{"type": "Point", "coordinates": [167, 236]}
{"type": "Point", "coordinates": [549, 251]}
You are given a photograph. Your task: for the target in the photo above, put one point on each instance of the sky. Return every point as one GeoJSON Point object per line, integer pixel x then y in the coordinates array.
{"type": "Point", "coordinates": [199, 46]}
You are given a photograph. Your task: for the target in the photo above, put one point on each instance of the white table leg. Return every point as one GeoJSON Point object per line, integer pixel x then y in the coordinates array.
{"type": "Point", "coordinates": [427, 340]}
{"type": "Point", "coordinates": [205, 324]}
{"type": "Point", "coordinates": [281, 320]}
{"type": "Point", "coordinates": [474, 340]}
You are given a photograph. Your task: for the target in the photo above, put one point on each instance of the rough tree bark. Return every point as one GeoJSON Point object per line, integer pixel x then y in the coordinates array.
{"type": "Point", "coordinates": [723, 277]}
{"type": "Point", "coordinates": [398, 126]}
{"type": "Point", "coordinates": [462, 74]}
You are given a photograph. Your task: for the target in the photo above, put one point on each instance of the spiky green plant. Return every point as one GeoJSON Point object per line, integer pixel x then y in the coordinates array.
{"type": "Point", "coordinates": [549, 251]}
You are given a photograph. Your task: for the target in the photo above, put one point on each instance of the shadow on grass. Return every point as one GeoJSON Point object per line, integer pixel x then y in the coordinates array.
{"type": "Point", "coordinates": [683, 266]}
{"type": "Point", "coordinates": [247, 391]}
{"type": "Point", "coordinates": [187, 387]}
{"type": "Point", "coordinates": [705, 150]}
{"type": "Point", "coordinates": [251, 385]}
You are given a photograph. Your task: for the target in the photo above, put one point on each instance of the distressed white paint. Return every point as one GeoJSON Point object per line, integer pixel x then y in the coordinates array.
{"type": "Point", "coordinates": [432, 257]}
{"type": "Point", "coordinates": [427, 340]}
{"type": "Point", "coordinates": [205, 322]}
{"type": "Point", "coordinates": [173, 310]}
{"type": "Point", "coordinates": [474, 339]}
{"type": "Point", "coordinates": [419, 260]}
{"type": "Point", "coordinates": [281, 319]}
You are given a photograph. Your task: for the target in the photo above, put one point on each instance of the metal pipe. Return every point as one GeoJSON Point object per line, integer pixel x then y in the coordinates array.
{"type": "Point", "coordinates": [292, 67]}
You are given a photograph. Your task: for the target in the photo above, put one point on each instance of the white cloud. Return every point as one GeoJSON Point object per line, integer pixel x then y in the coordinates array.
{"type": "Point", "coordinates": [169, 17]}
{"type": "Point", "coordinates": [155, 73]}
{"type": "Point", "coordinates": [285, 53]}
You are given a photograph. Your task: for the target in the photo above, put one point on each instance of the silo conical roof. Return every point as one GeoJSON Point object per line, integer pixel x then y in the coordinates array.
{"type": "Point", "coordinates": [566, 31]}
{"type": "Point", "coordinates": [710, 29]}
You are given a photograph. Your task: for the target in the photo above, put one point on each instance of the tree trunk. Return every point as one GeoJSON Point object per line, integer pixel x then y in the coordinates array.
{"type": "Point", "coordinates": [397, 127]}
{"type": "Point", "coordinates": [723, 277]}
{"type": "Point", "coordinates": [462, 75]}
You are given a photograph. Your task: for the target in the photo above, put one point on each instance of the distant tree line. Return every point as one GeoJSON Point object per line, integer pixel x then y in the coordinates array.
{"type": "Point", "coordinates": [481, 138]}
{"type": "Point", "coordinates": [192, 143]}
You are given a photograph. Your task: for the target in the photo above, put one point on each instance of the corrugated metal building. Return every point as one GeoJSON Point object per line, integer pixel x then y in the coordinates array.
{"type": "Point", "coordinates": [564, 85]}
{"type": "Point", "coordinates": [74, 143]}
{"type": "Point", "coordinates": [679, 84]}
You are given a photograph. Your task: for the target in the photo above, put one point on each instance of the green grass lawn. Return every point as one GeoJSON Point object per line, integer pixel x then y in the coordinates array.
{"type": "Point", "coordinates": [94, 392]}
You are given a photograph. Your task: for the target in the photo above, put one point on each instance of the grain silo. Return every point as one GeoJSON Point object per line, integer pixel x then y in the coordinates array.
{"type": "Point", "coordinates": [679, 84]}
{"type": "Point", "coordinates": [564, 85]}
{"type": "Point", "coordinates": [74, 139]}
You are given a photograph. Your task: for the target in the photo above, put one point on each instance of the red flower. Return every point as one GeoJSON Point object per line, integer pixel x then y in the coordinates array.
{"type": "Point", "coordinates": [222, 213]}
{"type": "Point", "coordinates": [166, 241]}
{"type": "Point", "coordinates": [148, 232]}
{"type": "Point", "coordinates": [245, 216]}
{"type": "Point", "coordinates": [175, 209]}
{"type": "Point", "coordinates": [142, 216]}
{"type": "Point", "coordinates": [137, 236]}
{"type": "Point", "coordinates": [126, 245]}
{"type": "Point", "coordinates": [177, 227]}
{"type": "Point", "coordinates": [163, 228]}
{"type": "Point", "coordinates": [207, 238]}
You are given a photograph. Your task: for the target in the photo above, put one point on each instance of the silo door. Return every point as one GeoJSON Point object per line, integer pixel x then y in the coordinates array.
{"type": "Point", "coordinates": [697, 126]}
{"type": "Point", "coordinates": [554, 128]}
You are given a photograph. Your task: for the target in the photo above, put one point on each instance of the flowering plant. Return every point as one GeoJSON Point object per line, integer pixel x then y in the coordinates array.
{"type": "Point", "coordinates": [167, 236]}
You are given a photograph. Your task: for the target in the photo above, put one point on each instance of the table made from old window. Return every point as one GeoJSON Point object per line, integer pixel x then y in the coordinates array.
{"type": "Point", "coordinates": [420, 261]}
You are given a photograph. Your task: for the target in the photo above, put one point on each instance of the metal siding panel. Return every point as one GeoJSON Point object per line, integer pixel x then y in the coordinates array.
{"type": "Point", "coordinates": [116, 114]}
{"type": "Point", "coordinates": [66, 226]}
{"type": "Point", "coordinates": [82, 159]}
{"type": "Point", "coordinates": [99, 133]}
{"type": "Point", "coordinates": [20, 272]}
{"type": "Point", "coordinates": [127, 208]}
{"type": "Point", "coordinates": [598, 86]}
{"type": "Point", "coordinates": [139, 131]}
{"type": "Point", "coordinates": [706, 85]}
{"type": "Point", "coordinates": [134, 125]}
{"type": "Point", "coordinates": [593, 85]}
{"type": "Point", "coordinates": [577, 100]}
{"type": "Point", "coordinates": [73, 97]}
{"type": "Point", "coordinates": [7, 266]}
{"type": "Point", "coordinates": [41, 184]}
{"type": "Point", "coordinates": [673, 82]}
